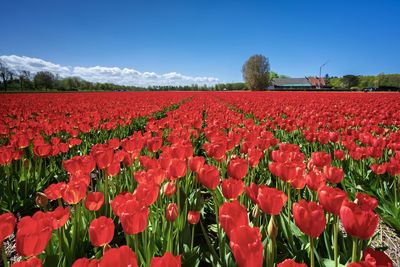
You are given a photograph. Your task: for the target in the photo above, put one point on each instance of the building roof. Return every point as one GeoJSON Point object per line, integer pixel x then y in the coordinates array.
{"type": "Point", "coordinates": [292, 82]}
{"type": "Point", "coordinates": [298, 82]}
{"type": "Point", "coordinates": [315, 81]}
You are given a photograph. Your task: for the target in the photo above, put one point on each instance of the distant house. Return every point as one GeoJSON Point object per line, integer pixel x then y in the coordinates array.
{"type": "Point", "coordinates": [292, 83]}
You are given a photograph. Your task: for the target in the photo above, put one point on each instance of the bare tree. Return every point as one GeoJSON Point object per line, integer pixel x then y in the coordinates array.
{"type": "Point", "coordinates": [24, 77]}
{"type": "Point", "coordinates": [5, 74]}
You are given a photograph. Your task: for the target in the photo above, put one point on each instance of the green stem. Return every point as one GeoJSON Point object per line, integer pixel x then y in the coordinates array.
{"type": "Point", "coordinates": [335, 237]}
{"type": "Point", "coordinates": [170, 237]}
{"type": "Point", "coordinates": [106, 192]}
{"type": "Point", "coordinates": [221, 244]}
{"type": "Point", "coordinates": [354, 256]}
{"type": "Point", "coordinates": [272, 244]}
{"type": "Point", "coordinates": [289, 205]}
{"type": "Point", "coordinates": [60, 241]}
{"type": "Point", "coordinates": [395, 185]}
{"type": "Point", "coordinates": [137, 248]}
{"type": "Point", "coordinates": [4, 256]}
{"type": "Point", "coordinates": [191, 243]}
{"type": "Point", "coordinates": [212, 250]}
{"type": "Point", "coordinates": [76, 230]}
{"type": "Point", "coordinates": [312, 264]}
{"type": "Point", "coordinates": [127, 240]}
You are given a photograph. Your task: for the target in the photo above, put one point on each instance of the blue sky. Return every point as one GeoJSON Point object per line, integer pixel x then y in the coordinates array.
{"type": "Point", "coordinates": [207, 38]}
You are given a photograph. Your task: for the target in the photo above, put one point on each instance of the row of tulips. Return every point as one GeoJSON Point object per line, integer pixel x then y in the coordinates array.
{"type": "Point", "coordinates": [204, 183]}
{"type": "Point", "coordinates": [365, 142]}
{"type": "Point", "coordinates": [37, 162]}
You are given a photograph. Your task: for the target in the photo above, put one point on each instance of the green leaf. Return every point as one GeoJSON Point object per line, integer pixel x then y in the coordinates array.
{"type": "Point", "coordinates": [331, 263]}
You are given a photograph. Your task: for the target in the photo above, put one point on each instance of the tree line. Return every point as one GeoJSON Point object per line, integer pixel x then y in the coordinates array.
{"type": "Point", "coordinates": [381, 81]}
{"type": "Point", "coordinates": [256, 73]}
{"type": "Point", "coordinates": [11, 80]}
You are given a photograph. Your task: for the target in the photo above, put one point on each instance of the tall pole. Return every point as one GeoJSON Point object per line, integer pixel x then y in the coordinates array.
{"type": "Point", "coordinates": [320, 69]}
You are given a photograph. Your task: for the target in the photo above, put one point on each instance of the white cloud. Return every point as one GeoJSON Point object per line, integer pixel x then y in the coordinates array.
{"type": "Point", "coordinates": [124, 76]}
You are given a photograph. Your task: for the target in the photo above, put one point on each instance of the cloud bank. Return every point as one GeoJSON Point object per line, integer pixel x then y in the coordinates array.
{"type": "Point", "coordinates": [123, 76]}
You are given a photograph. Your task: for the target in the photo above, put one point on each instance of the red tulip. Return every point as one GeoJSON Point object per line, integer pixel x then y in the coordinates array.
{"type": "Point", "coordinates": [74, 192]}
{"type": "Point", "coordinates": [169, 189]}
{"type": "Point", "coordinates": [73, 165]}
{"type": "Point", "coordinates": [31, 262]}
{"type": "Point", "coordinates": [53, 191]}
{"type": "Point", "coordinates": [113, 143]}
{"type": "Point", "coordinates": [147, 193]}
{"type": "Point", "coordinates": [237, 168]}
{"type": "Point", "coordinates": [271, 200]}
{"type": "Point", "coordinates": [357, 221]}
{"type": "Point", "coordinates": [320, 159]}
{"type": "Point", "coordinates": [254, 156]}
{"type": "Point", "coordinates": [119, 257]}
{"type": "Point", "coordinates": [60, 216]}
{"type": "Point", "coordinates": [252, 192]}
{"type": "Point", "coordinates": [101, 231]}
{"type": "Point", "coordinates": [382, 260]}
{"type": "Point", "coordinates": [167, 260]}
{"type": "Point", "coordinates": [33, 235]}
{"type": "Point", "coordinates": [315, 179]}
{"type": "Point", "coordinates": [7, 225]}
{"type": "Point", "coordinates": [232, 215]}
{"type": "Point", "coordinates": [209, 176]}
{"type": "Point", "coordinates": [42, 150]}
{"type": "Point", "coordinates": [94, 201]}
{"type": "Point", "coordinates": [134, 217]}
{"type": "Point", "coordinates": [339, 154]}
{"type": "Point", "coordinates": [291, 263]}
{"type": "Point", "coordinates": [369, 261]}
{"type": "Point", "coordinates": [196, 163]}
{"type": "Point", "coordinates": [334, 175]}
{"type": "Point", "coordinates": [171, 212]}
{"type": "Point", "coordinates": [298, 182]}
{"type": "Point", "coordinates": [177, 168]}
{"type": "Point", "coordinates": [366, 202]}
{"type": "Point", "coordinates": [246, 245]}
{"type": "Point", "coordinates": [331, 199]}
{"type": "Point", "coordinates": [84, 262]}
{"type": "Point", "coordinates": [154, 144]}
{"type": "Point", "coordinates": [103, 155]}
{"type": "Point", "coordinates": [114, 168]}
{"type": "Point", "coordinates": [309, 217]}
{"type": "Point", "coordinates": [379, 168]}
{"type": "Point", "coordinates": [193, 217]}
{"type": "Point", "coordinates": [6, 153]}
{"type": "Point", "coordinates": [232, 188]}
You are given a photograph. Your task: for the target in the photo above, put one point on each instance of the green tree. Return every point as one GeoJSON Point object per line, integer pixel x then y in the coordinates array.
{"type": "Point", "coordinates": [44, 80]}
{"type": "Point", "coordinates": [256, 72]}
{"type": "Point", "coordinates": [334, 82]}
{"type": "Point", "coordinates": [350, 81]}
{"type": "Point", "coordinates": [273, 75]}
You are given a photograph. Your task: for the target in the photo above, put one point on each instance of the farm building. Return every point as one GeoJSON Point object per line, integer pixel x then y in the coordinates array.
{"type": "Point", "coordinates": [305, 83]}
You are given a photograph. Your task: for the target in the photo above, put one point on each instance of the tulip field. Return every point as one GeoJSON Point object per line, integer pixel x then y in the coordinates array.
{"type": "Point", "coordinates": [245, 179]}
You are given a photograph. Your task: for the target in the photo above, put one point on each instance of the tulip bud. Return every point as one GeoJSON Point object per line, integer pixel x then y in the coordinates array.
{"type": "Point", "coordinates": [26, 163]}
{"type": "Point", "coordinates": [172, 212]}
{"type": "Point", "coordinates": [193, 217]}
{"type": "Point", "coordinates": [169, 189]}
{"type": "Point", "coordinates": [256, 211]}
{"type": "Point", "coordinates": [272, 228]}
{"type": "Point", "coordinates": [41, 200]}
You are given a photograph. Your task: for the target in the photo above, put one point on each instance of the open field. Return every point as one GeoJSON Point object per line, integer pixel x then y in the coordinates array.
{"type": "Point", "coordinates": [200, 179]}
